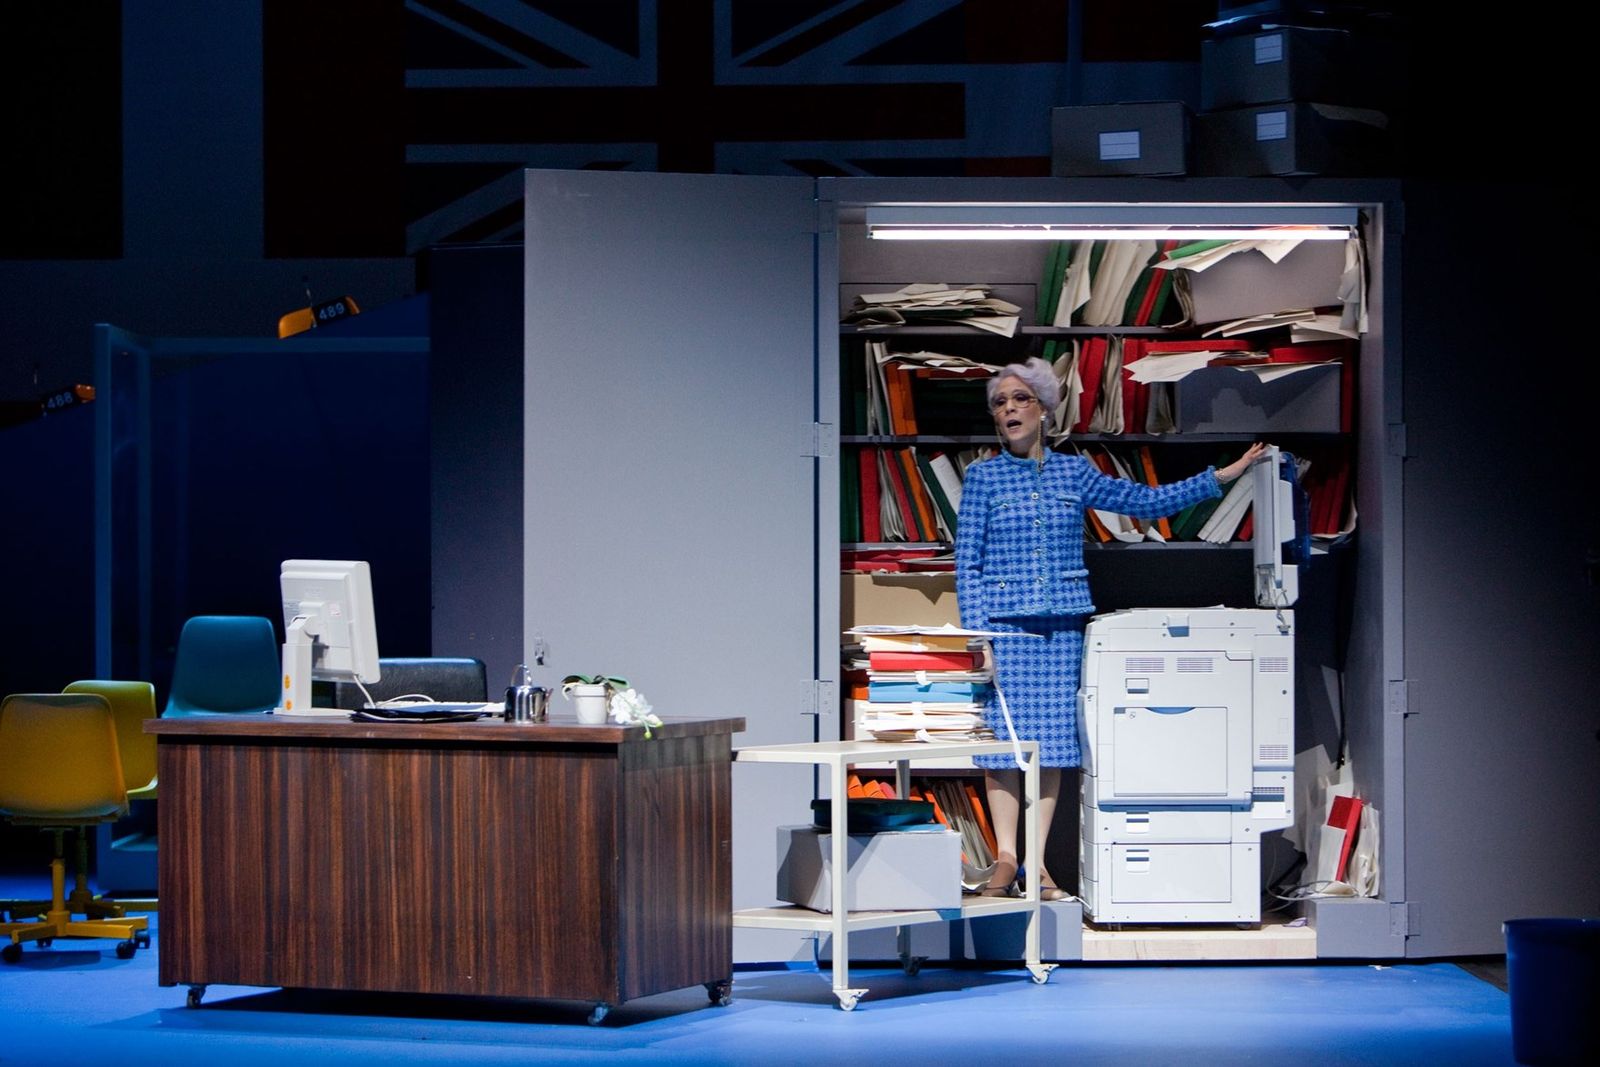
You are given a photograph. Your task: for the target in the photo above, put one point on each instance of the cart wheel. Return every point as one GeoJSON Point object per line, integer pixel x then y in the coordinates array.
{"type": "Point", "coordinates": [600, 1011]}
{"type": "Point", "coordinates": [196, 992]}
{"type": "Point", "coordinates": [720, 992]}
{"type": "Point", "coordinates": [12, 953]}
{"type": "Point", "coordinates": [125, 949]}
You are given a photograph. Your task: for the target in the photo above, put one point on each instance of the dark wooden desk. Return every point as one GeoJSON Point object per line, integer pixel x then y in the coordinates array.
{"type": "Point", "coordinates": [550, 860]}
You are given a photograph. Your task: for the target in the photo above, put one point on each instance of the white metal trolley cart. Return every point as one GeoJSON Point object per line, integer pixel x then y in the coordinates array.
{"type": "Point", "coordinates": [838, 757]}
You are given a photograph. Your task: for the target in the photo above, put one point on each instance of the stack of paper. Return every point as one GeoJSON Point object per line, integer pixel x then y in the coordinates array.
{"type": "Point", "coordinates": [922, 683]}
{"type": "Point", "coordinates": [933, 303]}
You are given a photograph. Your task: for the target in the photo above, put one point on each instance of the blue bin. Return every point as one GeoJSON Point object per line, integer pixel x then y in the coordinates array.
{"type": "Point", "coordinates": [1553, 971]}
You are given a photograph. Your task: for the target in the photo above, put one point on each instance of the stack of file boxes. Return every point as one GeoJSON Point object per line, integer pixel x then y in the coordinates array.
{"type": "Point", "coordinates": [1282, 98]}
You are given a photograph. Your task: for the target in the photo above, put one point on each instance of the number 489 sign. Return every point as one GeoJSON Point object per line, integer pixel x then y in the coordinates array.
{"type": "Point", "coordinates": [329, 310]}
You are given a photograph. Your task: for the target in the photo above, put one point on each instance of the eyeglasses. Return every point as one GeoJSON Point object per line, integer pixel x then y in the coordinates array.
{"type": "Point", "coordinates": [1022, 400]}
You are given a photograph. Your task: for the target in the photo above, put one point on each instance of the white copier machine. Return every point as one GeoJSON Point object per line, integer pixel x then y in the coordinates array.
{"type": "Point", "coordinates": [1187, 716]}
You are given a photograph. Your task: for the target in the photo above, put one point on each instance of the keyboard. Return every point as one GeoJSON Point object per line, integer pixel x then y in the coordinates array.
{"type": "Point", "coordinates": [440, 711]}
{"type": "Point", "coordinates": [425, 708]}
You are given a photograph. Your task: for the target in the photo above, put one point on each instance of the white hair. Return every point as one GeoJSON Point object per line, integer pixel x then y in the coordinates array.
{"type": "Point", "coordinates": [1038, 375]}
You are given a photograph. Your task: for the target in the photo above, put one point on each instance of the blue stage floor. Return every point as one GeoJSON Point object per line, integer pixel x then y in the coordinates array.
{"type": "Point", "coordinates": [76, 1003]}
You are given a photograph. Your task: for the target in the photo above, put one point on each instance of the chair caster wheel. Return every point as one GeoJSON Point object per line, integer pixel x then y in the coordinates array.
{"type": "Point", "coordinates": [45, 942]}
{"type": "Point", "coordinates": [142, 938]}
{"type": "Point", "coordinates": [12, 953]}
{"type": "Point", "coordinates": [125, 949]}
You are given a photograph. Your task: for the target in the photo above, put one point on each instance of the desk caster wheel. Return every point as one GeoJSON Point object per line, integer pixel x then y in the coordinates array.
{"type": "Point", "coordinates": [12, 953]}
{"type": "Point", "coordinates": [720, 992]}
{"type": "Point", "coordinates": [600, 1012]}
{"type": "Point", "coordinates": [125, 949]}
{"type": "Point", "coordinates": [196, 994]}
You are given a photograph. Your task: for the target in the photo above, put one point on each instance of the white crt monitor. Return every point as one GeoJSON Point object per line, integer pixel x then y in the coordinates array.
{"type": "Point", "coordinates": [330, 631]}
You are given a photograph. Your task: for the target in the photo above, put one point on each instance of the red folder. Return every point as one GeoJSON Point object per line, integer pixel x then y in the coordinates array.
{"type": "Point", "coordinates": [924, 661]}
{"type": "Point", "coordinates": [1091, 365]}
{"type": "Point", "coordinates": [902, 498]}
{"type": "Point", "coordinates": [1215, 344]}
{"type": "Point", "coordinates": [1154, 281]}
{"type": "Point", "coordinates": [1345, 816]}
{"type": "Point", "coordinates": [871, 519]}
{"type": "Point", "coordinates": [1135, 395]}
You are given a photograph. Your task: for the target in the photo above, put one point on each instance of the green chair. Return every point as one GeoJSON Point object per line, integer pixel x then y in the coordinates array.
{"type": "Point", "coordinates": [226, 665]}
{"type": "Point", "coordinates": [125, 852]}
{"type": "Point", "coordinates": [60, 770]}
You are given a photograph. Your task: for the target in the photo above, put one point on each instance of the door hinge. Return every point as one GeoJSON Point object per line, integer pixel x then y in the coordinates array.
{"type": "Point", "coordinates": [1399, 701]}
{"type": "Point", "coordinates": [820, 441]}
{"type": "Point", "coordinates": [819, 698]}
{"type": "Point", "coordinates": [1397, 443]}
{"type": "Point", "coordinates": [1405, 918]}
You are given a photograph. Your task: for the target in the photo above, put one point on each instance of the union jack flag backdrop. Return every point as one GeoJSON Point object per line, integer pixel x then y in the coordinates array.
{"type": "Point", "coordinates": [394, 125]}
{"type": "Point", "coordinates": [390, 125]}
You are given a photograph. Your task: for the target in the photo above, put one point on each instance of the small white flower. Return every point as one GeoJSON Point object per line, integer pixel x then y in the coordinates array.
{"type": "Point", "coordinates": [630, 708]}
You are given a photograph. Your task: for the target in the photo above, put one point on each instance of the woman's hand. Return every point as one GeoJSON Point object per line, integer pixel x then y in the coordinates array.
{"type": "Point", "coordinates": [1238, 466]}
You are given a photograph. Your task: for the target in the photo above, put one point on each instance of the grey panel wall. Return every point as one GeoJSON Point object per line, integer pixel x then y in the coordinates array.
{"type": "Point", "coordinates": [669, 513]}
{"type": "Point", "coordinates": [1502, 754]}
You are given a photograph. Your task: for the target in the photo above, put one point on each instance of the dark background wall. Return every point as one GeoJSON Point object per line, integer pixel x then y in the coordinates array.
{"type": "Point", "coordinates": [186, 168]}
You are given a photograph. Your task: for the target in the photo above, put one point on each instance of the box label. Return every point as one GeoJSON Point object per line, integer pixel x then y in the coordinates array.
{"type": "Point", "coordinates": [1269, 48]}
{"type": "Point", "coordinates": [1272, 126]}
{"type": "Point", "coordinates": [1119, 144]}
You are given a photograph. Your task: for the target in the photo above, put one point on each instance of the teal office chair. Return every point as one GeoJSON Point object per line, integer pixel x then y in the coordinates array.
{"type": "Point", "coordinates": [60, 770]}
{"type": "Point", "coordinates": [226, 665]}
{"type": "Point", "coordinates": [443, 678]}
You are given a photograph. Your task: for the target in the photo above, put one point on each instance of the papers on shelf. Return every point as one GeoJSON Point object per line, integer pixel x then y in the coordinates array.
{"type": "Point", "coordinates": [923, 722]}
{"type": "Point", "coordinates": [944, 365]}
{"type": "Point", "coordinates": [935, 303]}
{"type": "Point", "coordinates": [871, 630]}
{"type": "Point", "coordinates": [1173, 366]}
{"type": "Point", "coordinates": [1263, 322]}
{"type": "Point", "coordinates": [1209, 257]}
{"type": "Point", "coordinates": [897, 737]}
{"type": "Point", "coordinates": [1179, 365]}
{"type": "Point", "coordinates": [1321, 327]}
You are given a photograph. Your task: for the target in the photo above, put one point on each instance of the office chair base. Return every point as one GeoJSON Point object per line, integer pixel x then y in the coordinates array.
{"type": "Point", "coordinates": [80, 901]}
{"type": "Point", "coordinates": [133, 930]}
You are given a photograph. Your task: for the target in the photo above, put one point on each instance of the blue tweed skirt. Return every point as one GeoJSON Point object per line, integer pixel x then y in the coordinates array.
{"type": "Point", "coordinates": [1040, 678]}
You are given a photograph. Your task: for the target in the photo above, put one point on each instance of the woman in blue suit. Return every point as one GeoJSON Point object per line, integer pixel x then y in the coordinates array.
{"type": "Point", "coordinates": [1019, 571]}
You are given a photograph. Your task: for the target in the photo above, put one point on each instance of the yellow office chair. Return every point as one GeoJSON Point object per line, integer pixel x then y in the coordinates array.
{"type": "Point", "coordinates": [60, 770]}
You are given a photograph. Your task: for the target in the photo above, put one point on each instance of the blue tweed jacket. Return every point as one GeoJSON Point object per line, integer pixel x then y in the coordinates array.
{"type": "Point", "coordinates": [1019, 535]}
